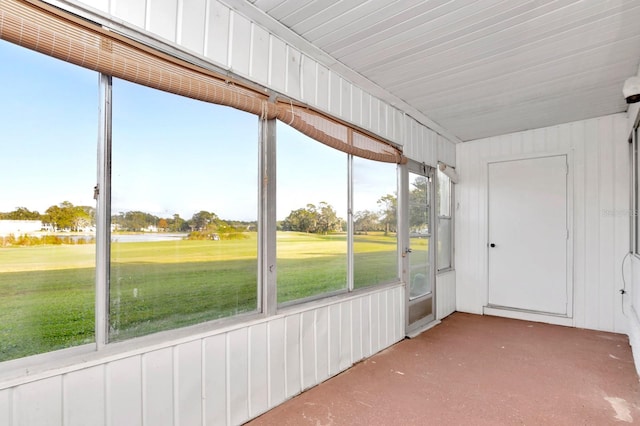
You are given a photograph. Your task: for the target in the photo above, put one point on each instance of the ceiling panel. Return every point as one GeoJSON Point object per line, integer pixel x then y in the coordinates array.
{"type": "Point", "coordinates": [480, 67]}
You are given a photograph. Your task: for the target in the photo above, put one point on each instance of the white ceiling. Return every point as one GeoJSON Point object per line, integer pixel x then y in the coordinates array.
{"type": "Point", "coordinates": [479, 68]}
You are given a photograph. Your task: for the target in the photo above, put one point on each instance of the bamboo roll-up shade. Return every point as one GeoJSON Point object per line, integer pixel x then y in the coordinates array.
{"type": "Point", "coordinates": [63, 36]}
{"type": "Point", "coordinates": [45, 29]}
{"type": "Point", "coordinates": [337, 135]}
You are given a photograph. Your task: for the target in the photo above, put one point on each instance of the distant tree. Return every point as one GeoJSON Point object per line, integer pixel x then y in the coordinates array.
{"type": "Point", "coordinates": [301, 220]}
{"type": "Point", "coordinates": [419, 208]}
{"type": "Point", "coordinates": [178, 224]}
{"type": "Point", "coordinates": [321, 219]}
{"type": "Point", "coordinates": [200, 221]}
{"type": "Point", "coordinates": [91, 213]}
{"type": "Point", "coordinates": [163, 225]}
{"type": "Point", "coordinates": [389, 212]}
{"type": "Point", "coordinates": [244, 225]}
{"type": "Point", "coordinates": [365, 221]}
{"type": "Point", "coordinates": [328, 220]}
{"type": "Point", "coordinates": [21, 213]}
{"type": "Point", "coordinates": [67, 216]}
{"type": "Point", "coordinates": [134, 221]}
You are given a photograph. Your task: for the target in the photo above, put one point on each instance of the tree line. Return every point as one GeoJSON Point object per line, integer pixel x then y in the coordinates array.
{"type": "Point", "coordinates": [63, 216]}
{"type": "Point", "coordinates": [320, 219]}
{"type": "Point", "coordinates": [323, 219]}
{"type": "Point", "coordinates": [66, 216]}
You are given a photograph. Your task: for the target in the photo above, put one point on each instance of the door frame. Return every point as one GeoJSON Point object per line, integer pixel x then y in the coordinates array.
{"type": "Point", "coordinates": [429, 171]}
{"type": "Point", "coordinates": [521, 313]}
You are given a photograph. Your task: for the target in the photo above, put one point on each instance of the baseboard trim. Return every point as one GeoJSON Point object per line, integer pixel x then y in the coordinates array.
{"type": "Point", "coordinates": [528, 316]}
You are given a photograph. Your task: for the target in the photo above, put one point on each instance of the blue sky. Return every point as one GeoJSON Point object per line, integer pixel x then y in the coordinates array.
{"type": "Point", "coordinates": [170, 154]}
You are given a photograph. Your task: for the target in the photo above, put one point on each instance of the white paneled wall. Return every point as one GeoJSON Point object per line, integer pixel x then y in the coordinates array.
{"type": "Point", "coordinates": [228, 377]}
{"type": "Point", "coordinates": [632, 307]}
{"type": "Point", "coordinates": [445, 294]}
{"type": "Point", "coordinates": [632, 272]}
{"type": "Point", "coordinates": [599, 158]}
{"type": "Point", "coordinates": [220, 379]}
{"type": "Point", "coordinates": [227, 39]}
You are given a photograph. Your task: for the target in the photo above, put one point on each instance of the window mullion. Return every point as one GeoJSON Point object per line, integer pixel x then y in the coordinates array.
{"type": "Point", "coordinates": [103, 212]}
{"type": "Point", "coordinates": [267, 292]}
{"type": "Point", "coordinates": [350, 282]}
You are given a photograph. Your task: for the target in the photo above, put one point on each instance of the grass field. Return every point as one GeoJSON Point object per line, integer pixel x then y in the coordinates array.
{"type": "Point", "coordinates": [47, 292]}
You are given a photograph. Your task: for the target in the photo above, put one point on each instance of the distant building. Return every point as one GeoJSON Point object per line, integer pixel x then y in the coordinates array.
{"type": "Point", "coordinates": [20, 227]}
{"type": "Point", "coordinates": [150, 228]}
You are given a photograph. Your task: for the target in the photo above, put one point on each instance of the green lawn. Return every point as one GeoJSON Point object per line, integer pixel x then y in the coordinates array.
{"type": "Point", "coordinates": [47, 292]}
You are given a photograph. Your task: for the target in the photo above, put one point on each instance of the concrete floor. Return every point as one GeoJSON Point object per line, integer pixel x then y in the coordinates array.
{"type": "Point", "coordinates": [480, 370]}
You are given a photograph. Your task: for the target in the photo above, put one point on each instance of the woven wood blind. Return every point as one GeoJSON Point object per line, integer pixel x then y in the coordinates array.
{"type": "Point", "coordinates": [40, 27]}
{"type": "Point", "coordinates": [337, 135]}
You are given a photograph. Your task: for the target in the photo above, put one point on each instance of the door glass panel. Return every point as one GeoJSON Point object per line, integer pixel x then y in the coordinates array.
{"type": "Point", "coordinates": [419, 236]}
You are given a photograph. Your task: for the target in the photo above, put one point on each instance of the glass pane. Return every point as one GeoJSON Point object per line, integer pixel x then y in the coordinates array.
{"type": "Point", "coordinates": [49, 123]}
{"type": "Point", "coordinates": [311, 213]}
{"type": "Point", "coordinates": [184, 209]}
{"type": "Point", "coordinates": [419, 236]}
{"type": "Point", "coordinates": [444, 222]}
{"type": "Point", "coordinates": [375, 207]}
{"type": "Point", "coordinates": [444, 243]}
{"type": "Point", "coordinates": [444, 194]}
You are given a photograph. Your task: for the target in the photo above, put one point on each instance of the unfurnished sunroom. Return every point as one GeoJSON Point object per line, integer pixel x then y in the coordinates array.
{"type": "Point", "coordinates": [210, 206]}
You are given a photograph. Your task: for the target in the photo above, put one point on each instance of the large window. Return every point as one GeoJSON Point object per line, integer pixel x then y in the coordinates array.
{"type": "Point", "coordinates": [184, 211]}
{"type": "Point", "coordinates": [375, 206]}
{"type": "Point", "coordinates": [127, 210]}
{"type": "Point", "coordinates": [312, 214]}
{"type": "Point", "coordinates": [445, 222]}
{"type": "Point", "coordinates": [47, 211]}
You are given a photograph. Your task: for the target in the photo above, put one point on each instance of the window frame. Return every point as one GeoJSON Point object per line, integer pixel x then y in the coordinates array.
{"type": "Point", "coordinates": [350, 254]}
{"type": "Point", "coordinates": [352, 229]}
{"type": "Point", "coordinates": [266, 218]}
{"type": "Point", "coordinates": [450, 217]}
{"type": "Point", "coordinates": [634, 196]}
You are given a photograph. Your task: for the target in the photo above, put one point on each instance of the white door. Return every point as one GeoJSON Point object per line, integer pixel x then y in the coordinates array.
{"type": "Point", "coordinates": [528, 234]}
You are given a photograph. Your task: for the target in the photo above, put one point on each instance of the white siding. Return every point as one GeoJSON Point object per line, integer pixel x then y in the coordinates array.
{"type": "Point", "coordinates": [131, 11]}
{"type": "Point", "coordinates": [39, 403]}
{"type": "Point", "coordinates": [632, 305]}
{"type": "Point", "coordinates": [84, 392]}
{"type": "Point", "coordinates": [216, 33]}
{"type": "Point", "coordinates": [241, 42]}
{"type": "Point", "coordinates": [162, 18]}
{"type": "Point", "coordinates": [5, 406]}
{"type": "Point", "coordinates": [426, 146]}
{"type": "Point", "coordinates": [124, 392]}
{"type": "Point", "coordinates": [598, 155]}
{"type": "Point", "coordinates": [445, 294]}
{"type": "Point", "coordinates": [191, 24]}
{"type": "Point", "coordinates": [446, 151]}
{"type": "Point", "coordinates": [420, 143]}
{"type": "Point", "coordinates": [226, 378]}
{"type": "Point", "coordinates": [157, 387]}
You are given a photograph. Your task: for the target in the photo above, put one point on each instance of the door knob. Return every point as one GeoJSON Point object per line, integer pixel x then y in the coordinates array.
{"type": "Point", "coordinates": [492, 245]}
